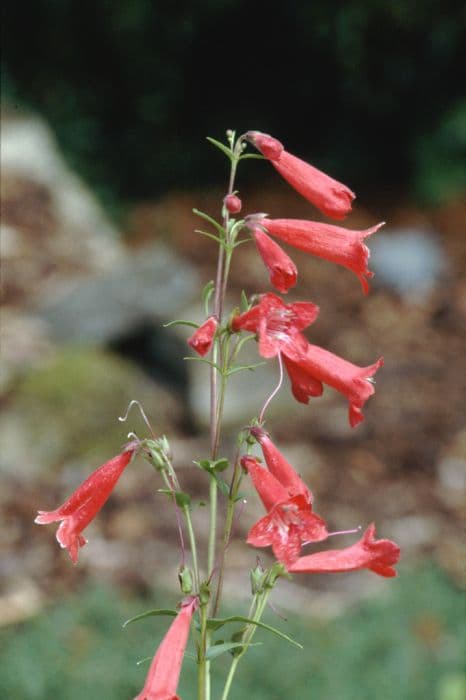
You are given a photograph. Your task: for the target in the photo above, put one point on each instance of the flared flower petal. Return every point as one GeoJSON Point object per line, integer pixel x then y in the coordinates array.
{"type": "Point", "coordinates": [164, 673]}
{"type": "Point", "coordinates": [378, 556]}
{"type": "Point", "coordinates": [278, 325]}
{"type": "Point", "coordinates": [339, 245]}
{"type": "Point", "coordinates": [202, 338]}
{"type": "Point", "coordinates": [321, 366]}
{"type": "Point", "coordinates": [280, 467]}
{"type": "Point", "coordinates": [83, 505]}
{"type": "Point", "coordinates": [289, 523]}
{"type": "Point", "coordinates": [331, 197]}
{"type": "Point", "coordinates": [282, 270]}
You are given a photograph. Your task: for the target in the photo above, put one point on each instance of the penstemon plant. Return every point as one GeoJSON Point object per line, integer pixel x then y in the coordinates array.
{"type": "Point", "coordinates": [290, 522]}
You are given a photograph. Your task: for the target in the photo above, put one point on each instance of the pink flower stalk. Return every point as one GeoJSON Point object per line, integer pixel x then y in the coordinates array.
{"type": "Point", "coordinates": [339, 245]}
{"type": "Point", "coordinates": [321, 366]}
{"type": "Point", "coordinates": [378, 556]}
{"type": "Point", "coordinates": [278, 325]}
{"type": "Point", "coordinates": [202, 338]}
{"type": "Point", "coordinates": [331, 197]}
{"type": "Point", "coordinates": [280, 467]}
{"type": "Point", "coordinates": [289, 522]}
{"type": "Point", "coordinates": [283, 272]}
{"type": "Point", "coordinates": [164, 673]}
{"type": "Point", "coordinates": [83, 505]}
{"type": "Point", "coordinates": [232, 203]}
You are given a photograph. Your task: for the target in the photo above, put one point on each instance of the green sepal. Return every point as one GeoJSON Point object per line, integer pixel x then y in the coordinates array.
{"type": "Point", "coordinates": [215, 623]}
{"type": "Point", "coordinates": [213, 465]}
{"type": "Point", "coordinates": [183, 500]}
{"type": "Point", "coordinates": [204, 593]}
{"type": "Point", "coordinates": [150, 613]}
{"type": "Point", "coordinates": [221, 147]}
{"type": "Point", "coordinates": [245, 305]}
{"type": "Point", "coordinates": [218, 649]}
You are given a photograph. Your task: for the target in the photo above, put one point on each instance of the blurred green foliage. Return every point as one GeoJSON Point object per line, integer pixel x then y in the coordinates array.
{"type": "Point", "coordinates": [407, 644]}
{"type": "Point", "coordinates": [371, 91]}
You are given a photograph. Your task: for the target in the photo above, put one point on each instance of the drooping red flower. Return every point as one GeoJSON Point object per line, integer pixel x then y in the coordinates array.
{"type": "Point", "coordinates": [202, 338]}
{"type": "Point", "coordinates": [283, 272]}
{"type": "Point", "coordinates": [289, 522]}
{"type": "Point", "coordinates": [280, 467]}
{"type": "Point", "coordinates": [379, 556]}
{"type": "Point", "coordinates": [164, 673]}
{"type": "Point", "coordinates": [339, 245]}
{"type": "Point", "coordinates": [278, 325]}
{"type": "Point", "coordinates": [83, 505]}
{"type": "Point", "coordinates": [331, 197]}
{"type": "Point", "coordinates": [232, 203]}
{"type": "Point", "coordinates": [319, 366]}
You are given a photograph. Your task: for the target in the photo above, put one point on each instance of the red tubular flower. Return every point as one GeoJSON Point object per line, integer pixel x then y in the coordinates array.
{"type": "Point", "coordinates": [331, 197]}
{"type": "Point", "coordinates": [202, 339]}
{"type": "Point", "coordinates": [319, 365]}
{"type": "Point", "coordinates": [280, 467]}
{"type": "Point", "coordinates": [339, 245]}
{"type": "Point", "coordinates": [83, 505]}
{"type": "Point", "coordinates": [283, 272]}
{"type": "Point", "coordinates": [376, 555]}
{"type": "Point", "coordinates": [289, 523]}
{"type": "Point", "coordinates": [278, 325]}
{"type": "Point", "coordinates": [164, 673]}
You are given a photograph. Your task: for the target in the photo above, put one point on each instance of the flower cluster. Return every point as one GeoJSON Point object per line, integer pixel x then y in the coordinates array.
{"type": "Point", "coordinates": [290, 522]}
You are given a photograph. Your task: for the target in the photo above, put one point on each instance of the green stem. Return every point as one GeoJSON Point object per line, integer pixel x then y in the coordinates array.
{"type": "Point", "coordinates": [247, 638]}
{"type": "Point", "coordinates": [203, 680]}
{"type": "Point", "coordinates": [213, 494]}
{"type": "Point", "coordinates": [192, 544]}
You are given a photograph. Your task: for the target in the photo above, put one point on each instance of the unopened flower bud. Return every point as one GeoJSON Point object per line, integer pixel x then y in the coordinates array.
{"type": "Point", "coordinates": [204, 593]}
{"type": "Point", "coordinates": [256, 577]}
{"type": "Point", "coordinates": [232, 203]}
{"type": "Point", "coordinates": [186, 580]}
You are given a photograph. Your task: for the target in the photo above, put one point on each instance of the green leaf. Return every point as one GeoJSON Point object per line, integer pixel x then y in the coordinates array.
{"type": "Point", "coordinates": [207, 362]}
{"type": "Point", "coordinates": [216, 623]}
{"type": "Point", "coordinates": [212, 221]}
{"type": "Point", "coordinates": [222, 485]}
{"type": "Point", "coordinates": [256, 156]}
{"type": "Point", "coordinates": [151, 613]}
{"type": "Point", "coordinates": [218, 649]}
{"type": "Point", "coordinates": [212, 236]}
{"type": "Point", "coordinates": [181, 322]}
{"type": "Point", "coordinates": [213, 465]}
{"type": "Point", "coordinates": [239, 368]}
{"type": "Point", "coordinates": [221, 146]}
{"type": "Point", "coordinates": [207, 292]}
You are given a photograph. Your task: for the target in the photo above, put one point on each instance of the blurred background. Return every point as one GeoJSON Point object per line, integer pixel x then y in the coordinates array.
{"type": "Point", "coordinates": [105, 110]}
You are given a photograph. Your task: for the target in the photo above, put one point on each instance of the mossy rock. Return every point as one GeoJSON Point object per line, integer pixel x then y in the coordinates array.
{"type": "Point", "coordinates": [68, 410]}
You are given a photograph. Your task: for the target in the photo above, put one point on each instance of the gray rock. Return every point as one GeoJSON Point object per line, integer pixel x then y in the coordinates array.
{"type": "Point", "coordinates": [410, 261]}
{"type": "Point", "coordinates": [153, 284]}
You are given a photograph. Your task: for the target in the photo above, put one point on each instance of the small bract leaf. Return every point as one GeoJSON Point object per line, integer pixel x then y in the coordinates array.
{"type": "Point", "coordinates": [151, 613]}
{"type": "Point", "coordinates": [207, 293]}
{"type": "Point", "coordinates": [216, 623]}
{"type": "Point", "coordinates": [221, 147]}
{"type": "Point", "coordinates": [180, 322]}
